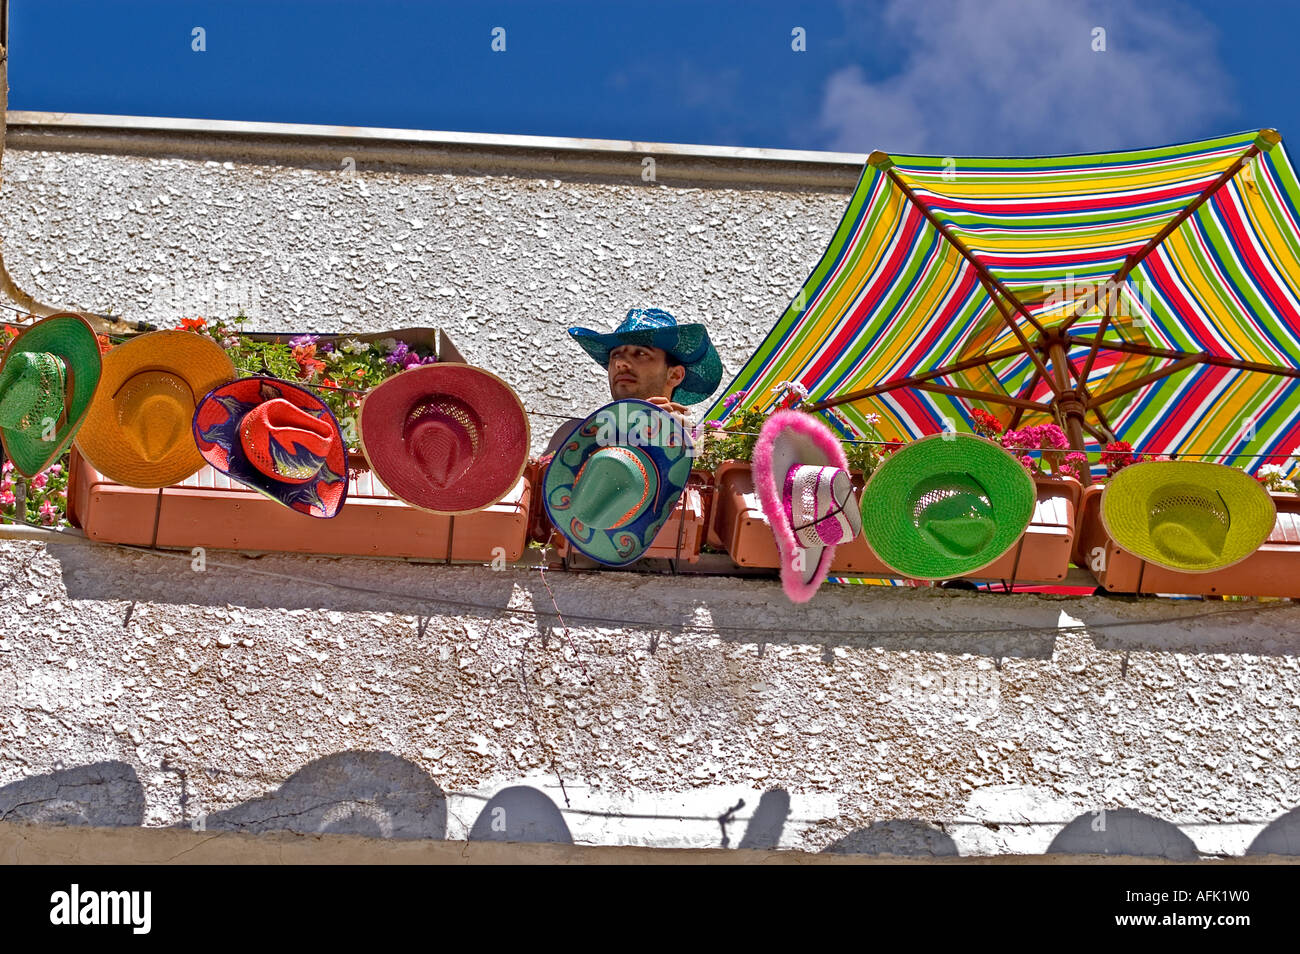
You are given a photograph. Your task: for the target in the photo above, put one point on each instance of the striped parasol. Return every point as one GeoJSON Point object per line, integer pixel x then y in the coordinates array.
{"type": "Point", "coordinates": [1151, 295]}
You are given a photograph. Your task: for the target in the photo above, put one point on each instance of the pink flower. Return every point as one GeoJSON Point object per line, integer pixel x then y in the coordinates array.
{"type": "Point", "coordinates": [8, 466]}
{"type": "Point", "coordinates": [56, 469]}
{"type": "Point", "coordinates": [7, 499]}
{"type": "Point", "coordinates": [49, 513]}
{"type": "Point", "coordinates": [40, 480]}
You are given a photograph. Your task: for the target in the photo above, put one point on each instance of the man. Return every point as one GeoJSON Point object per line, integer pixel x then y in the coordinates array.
{"type": "Point", "coordinates": [651, 357]}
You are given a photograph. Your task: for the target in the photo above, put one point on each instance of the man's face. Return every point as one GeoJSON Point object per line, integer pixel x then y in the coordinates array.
{"type": "Point", "coordinates": [639, 371]}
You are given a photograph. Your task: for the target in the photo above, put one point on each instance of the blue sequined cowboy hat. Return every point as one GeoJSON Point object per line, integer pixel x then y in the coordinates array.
{"type": "Point", "coordinates": [656, 328]}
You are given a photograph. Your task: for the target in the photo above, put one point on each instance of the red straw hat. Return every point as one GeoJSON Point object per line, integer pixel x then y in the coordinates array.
{"type": "Point", "coordinates": [448, 438]}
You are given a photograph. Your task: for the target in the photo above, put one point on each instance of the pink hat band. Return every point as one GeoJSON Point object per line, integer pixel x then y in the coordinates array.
{"type": "Point", "coordinates": [819, 503]}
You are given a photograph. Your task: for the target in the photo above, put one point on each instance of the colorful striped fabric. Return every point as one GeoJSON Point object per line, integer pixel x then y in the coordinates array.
{"type": "Point", "coordinates": [892, 297]}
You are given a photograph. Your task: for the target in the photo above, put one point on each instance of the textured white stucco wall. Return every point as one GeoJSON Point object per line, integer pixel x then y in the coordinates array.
{"type": "Point", "coordinates": [135, 690]}
{"type": "Point", "coordinates": [505, 264]}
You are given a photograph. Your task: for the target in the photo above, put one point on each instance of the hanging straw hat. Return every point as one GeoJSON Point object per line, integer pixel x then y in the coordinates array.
{"type": "Point", "coordinates": [616, 480]}
{"type": "Point", "coordinates": [277, 438]}
{"type": "Point", "coordinates": [1191, 516]}
{"type": "Point", "coordinates": [448, 438]}
{"type": "Point", "coordinates": [656, 328]}
{"type": "Point", "coordinates": [803, 484]}
{"type": "Point", "coordinates": [47, 383]}
{"type": "Point", "coordinates": [946, 505]}
{"type": "Point", "coordinates": [137, 432]}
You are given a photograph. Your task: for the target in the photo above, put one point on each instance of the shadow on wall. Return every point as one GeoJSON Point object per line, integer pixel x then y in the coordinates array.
{"type": "Point", "coordinates": [375, 794]}
{"type": "Point", "coordinates": [105, 794]}
{"type": "Point", "coordinates": [1123, 831]}
{"type": "Point", "coordinates": [904, 837]}
{"type": "Point", "coordinates": [167, 577]}
{"type": "Point", "coordinates": [521, 813]}
{"type": "Point", "coordinates": [1281, 837]}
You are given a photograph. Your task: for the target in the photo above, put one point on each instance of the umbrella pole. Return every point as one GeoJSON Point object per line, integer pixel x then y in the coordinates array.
{"type": "Point", "coordinates": [1068, 402]}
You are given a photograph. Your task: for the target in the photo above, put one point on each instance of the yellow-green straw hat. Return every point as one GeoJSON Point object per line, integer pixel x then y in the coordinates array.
{"type": "Point", "coordinates": [945, 506]}
{"type": "Point", "coordinates": [1185, 515]}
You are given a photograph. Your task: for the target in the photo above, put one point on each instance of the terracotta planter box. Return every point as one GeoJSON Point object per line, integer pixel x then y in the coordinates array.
{"type": "Point", "coordinates": [1272, 570]}
{"type": "Point", "coordinates": [1041, 556]}
{"type": "Point", "coordinates": [210, 510]}
{"type": "Point", "coordinates": [680, 537]}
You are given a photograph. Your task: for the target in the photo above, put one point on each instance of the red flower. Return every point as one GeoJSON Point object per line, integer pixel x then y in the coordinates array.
{"type": "Point", "coordinates": [303, 353]}
{"type": "Point", "coordinates": [192, 324]}
{"type": "Point", "coordinates": [308, 367]}
{"type": "Point", "coordinates": [985, 424]}
{"type": "Point", "coordinates": [105, 346]}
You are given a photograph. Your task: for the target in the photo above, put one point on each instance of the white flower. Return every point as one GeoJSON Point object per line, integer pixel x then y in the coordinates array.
{"type": "Point", "coordinates": [1270, 472]}
{"type": "Point", "coordinates": [873, 419]}
{"type": "Point", "coordinates": [385, 345]}
{"type": "Point", "coordinates": [794, 386]}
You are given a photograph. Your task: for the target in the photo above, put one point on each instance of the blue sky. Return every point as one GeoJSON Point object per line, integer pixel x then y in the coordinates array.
{"type": "Point", "coordinates": [970, 77]}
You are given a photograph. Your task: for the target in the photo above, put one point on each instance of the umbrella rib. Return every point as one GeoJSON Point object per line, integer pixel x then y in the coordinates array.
{"type": "Point", "coordinates": [1218, 361]}
{"type": "Point", "coordinates": [981, 396]}
{"type": "Point", "coordinates": [1025, 391]}
{"type": "Point", "coordinates": [988, 277]}
{"type": "Point", "coordinates": [912, 380]}
{"type": "Point", "coordinates": [1136, 258]}
{"type": "Point", "coordinates": [1139, 383]}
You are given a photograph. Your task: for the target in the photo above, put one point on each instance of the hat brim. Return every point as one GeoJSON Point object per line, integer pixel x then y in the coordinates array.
{"type": "Point", "coordinates": [789, 439]}
{"type": "Point", "coordinates": [197, 360]}
{"type": "Point", "coordinates": [73, 340]}
{"type": "Point", "coordinates": [689, 344]}
{"type": "Point", "coordinates": [216, 434]}
{"type": "Point", "coordinates": [895, 539]}
{"type": "Point", "coordinates": [492, 473]}
{"type": "Point", "coordinates": [670, 451]}
{"type": "Point", "coordinates": [1125, 514]}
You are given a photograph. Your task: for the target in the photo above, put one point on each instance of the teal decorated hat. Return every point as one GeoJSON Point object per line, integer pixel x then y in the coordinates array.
{"type": "Point", "coordinates": [612, 485]}
{"type": "Point", "coordinates": [946, 505]}
{"type": "Point", "coordinates": [48, 378]}
{"type": "Point", "coordinates": [656, 328]}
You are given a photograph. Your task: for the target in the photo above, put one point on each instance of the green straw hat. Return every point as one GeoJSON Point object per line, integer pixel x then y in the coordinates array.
{"type": "Point", "coordinates": [47, 381]}
{"type": "Point", "coordinates": [1191, 516]}
{"type": "Point", "coordinates": [945, 506]}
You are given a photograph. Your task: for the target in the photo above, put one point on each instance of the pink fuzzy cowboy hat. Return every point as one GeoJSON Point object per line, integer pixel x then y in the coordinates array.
{"type": "Point", "coordinates": [803, 484]}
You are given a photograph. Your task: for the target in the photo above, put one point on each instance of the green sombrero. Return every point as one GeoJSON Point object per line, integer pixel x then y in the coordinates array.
{"type": "Point", "coordinates": [945, 506]}
{"type": "Point", "coordinates": [1191, 516]}
{"type": "Point", "coordinates": [48, 378]}
{"type": "Point", "coordinates": [617, 478]}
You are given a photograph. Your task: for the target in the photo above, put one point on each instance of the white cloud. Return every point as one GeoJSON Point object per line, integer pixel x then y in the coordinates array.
{"type": "Point", "coordinates": [1019, 77]}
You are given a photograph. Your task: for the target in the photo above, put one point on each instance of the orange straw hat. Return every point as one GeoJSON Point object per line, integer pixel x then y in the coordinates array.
{"type": "Point", "coordinates": [138, 430]}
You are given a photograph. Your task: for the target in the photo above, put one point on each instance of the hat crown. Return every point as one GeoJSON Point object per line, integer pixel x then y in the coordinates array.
{"type": "Point", "coordinates": [444, 436]}
{"type": "Point", "coordinates": [1188, 523]}
{"type": "Point", "coordinates": [819, 504]}
{"type": "Point", "coordinates": [952, 511]}
{"type": "Point", "coordinates": [154, 409]}
{"type": "Point", "coordinates": [646, 319]}
{"type": "Point", "coordinates": [285, 442]}
{"type": "Point", "coordinates": [612, 488]}
{"type": "Point", "coordinates": [31, 390]}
